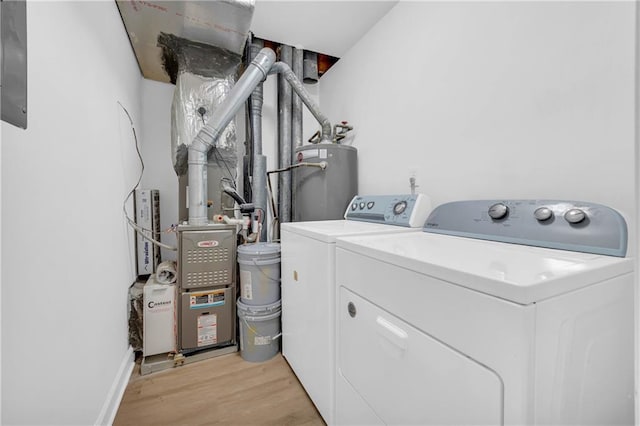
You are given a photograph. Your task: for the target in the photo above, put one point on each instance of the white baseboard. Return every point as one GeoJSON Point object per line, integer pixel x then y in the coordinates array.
{"type": "Point", "coordinates": [112, 403]}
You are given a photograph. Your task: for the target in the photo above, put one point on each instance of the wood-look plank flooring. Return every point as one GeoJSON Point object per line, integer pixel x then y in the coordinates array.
{"type": "Point", "coordinates": [225, 390]}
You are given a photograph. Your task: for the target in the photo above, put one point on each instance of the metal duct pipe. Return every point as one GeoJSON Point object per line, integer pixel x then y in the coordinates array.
{"type": "Point", "coordinates": [258, 161]}
{"type": "Point", "coordinates": [296, 119]}
{"type": "Point", "coordinates": [256, 72]}
{"type": "Point", "coordinates": [257, 99]}
{"type": "Point", "coordinates": [310, 67]}
{"type": "Point", "coordinates": [260, 191]}
{"type": "Point", "coordinates": [287, 73]}
{"type": "Point", "coordinates": [284, 138]}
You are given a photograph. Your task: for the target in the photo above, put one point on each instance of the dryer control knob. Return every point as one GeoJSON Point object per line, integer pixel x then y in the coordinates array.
{"type": "Point", "coordinates": [351, 308]}
{"type": "Point", "coordinates": [543, 213]}
{"type": "Point", "coordinates": [498, 211]}
{"type": "Point", "coordinates": [575, 215]}
{"type": "Point", "coordinates": [399, 207]}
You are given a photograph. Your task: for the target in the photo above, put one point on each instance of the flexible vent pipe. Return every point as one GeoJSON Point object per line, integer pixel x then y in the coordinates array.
{"type": "Point", "coordinates": [256, 72]}
{"type": "Point", "coordinates": [296, 85]}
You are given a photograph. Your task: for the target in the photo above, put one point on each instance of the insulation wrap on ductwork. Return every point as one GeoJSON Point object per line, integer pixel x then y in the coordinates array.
{"type": "Point", "coordinates": [194, 101]}
{"type": "Point", "coordinates": [203, 75]}
{"type": "Point", "coordinates": [136, 311]}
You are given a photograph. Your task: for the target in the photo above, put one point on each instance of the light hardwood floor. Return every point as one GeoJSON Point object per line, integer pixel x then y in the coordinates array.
{"type": "Point", "coordinates": [220, 391]}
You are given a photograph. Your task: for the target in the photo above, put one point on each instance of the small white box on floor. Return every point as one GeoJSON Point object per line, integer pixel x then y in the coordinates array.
{"type": "Point", "coordinates": [159, 319]}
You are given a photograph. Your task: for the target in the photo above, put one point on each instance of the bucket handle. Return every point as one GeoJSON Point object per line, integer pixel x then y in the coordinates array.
{"type": "Point", "coordinates": [262, 272]}
{"type": "Point", "coordinates": [277, 336]}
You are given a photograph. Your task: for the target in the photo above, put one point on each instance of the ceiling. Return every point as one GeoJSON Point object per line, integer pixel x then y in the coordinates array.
{"type": "Point", "coordinates": [164, 33]}
{"type": "Point", "coordinates": [330, 27]}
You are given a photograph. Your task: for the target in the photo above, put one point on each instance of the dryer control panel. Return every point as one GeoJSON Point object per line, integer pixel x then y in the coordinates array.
{"type": "Point", "coordinates": [409, 210]}
{"type": "Point", "coordinates": [566, 225]}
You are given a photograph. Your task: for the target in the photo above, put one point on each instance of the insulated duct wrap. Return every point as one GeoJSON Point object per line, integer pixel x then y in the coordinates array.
{"type": "Point", "coordinates": [194, 101]}
{"type": "Point", "coordinates": [204, 76]}
{"type": "Point", "coordinates": [136, 313]}
{"type": "Point", "coordinates": [208, 136]}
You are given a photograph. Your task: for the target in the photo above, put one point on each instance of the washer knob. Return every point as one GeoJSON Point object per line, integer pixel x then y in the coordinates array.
{"type": "Point", "coordinates": [575, 215]}
{"type": "Point", "coordinates": [498, 211]}
{"type": "Point", "coordinates": [399, 207]}
{"type": "Point", "coordinates": [543, 213]}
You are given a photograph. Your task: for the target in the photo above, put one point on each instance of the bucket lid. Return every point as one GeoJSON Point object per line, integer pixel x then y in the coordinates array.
{"type": "Point", "coordinates": [259, 249]}
{"type": "Point", "coordinates": [258, 309]}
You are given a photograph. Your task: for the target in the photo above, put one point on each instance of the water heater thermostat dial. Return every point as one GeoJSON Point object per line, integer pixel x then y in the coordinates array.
{"type": "Point", "coordinates": [498, 211]}
{"type": "Point", "coordinates": [543, 213]}
{"type": "Point", "coordinates": [575, 215]}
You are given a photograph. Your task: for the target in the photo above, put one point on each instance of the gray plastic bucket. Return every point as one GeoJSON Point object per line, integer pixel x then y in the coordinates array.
{"type": "Point", "coordinates": [259, 273]}
{"type": "Point", "coordinates": [259, 331]}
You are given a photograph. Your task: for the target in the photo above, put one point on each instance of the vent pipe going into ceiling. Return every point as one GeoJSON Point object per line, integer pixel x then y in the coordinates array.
{"type": "Point", "coordinates": [326, 134]}
{"type": "Point", "coordinates": [296, 120]}
{"type": "Point", "coordinates": [259, 161]}
{"type": "Point", "coordinates": [208, 135]}
{"type": "Point", "coordinates": [284, 137]}
{"type": "Point", "coordinates": [263, 65]}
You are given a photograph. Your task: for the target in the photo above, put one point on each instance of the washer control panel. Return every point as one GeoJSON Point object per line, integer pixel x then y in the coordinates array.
{"type": "Point", "coordinates": [401, 210]}
{"type": "Point", "coordinates": [566, 225]}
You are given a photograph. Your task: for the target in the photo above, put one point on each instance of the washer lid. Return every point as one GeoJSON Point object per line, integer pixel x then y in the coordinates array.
{"type": "Point", "coordinates": [328, 230]}
{"type": "Point", "coordinates": [521, 274]}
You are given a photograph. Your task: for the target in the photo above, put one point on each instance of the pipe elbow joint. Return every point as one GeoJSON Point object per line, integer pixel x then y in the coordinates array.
{"type": "Point", "coordinates": [200, 143]}
{"type": "Point", "coordinates": [264, 60]}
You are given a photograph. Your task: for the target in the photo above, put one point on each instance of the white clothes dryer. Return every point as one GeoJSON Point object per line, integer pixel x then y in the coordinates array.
{"type": "Point", "coordinates": [309, 290]}
{"type": "Point", "coordinates": [501, 312]}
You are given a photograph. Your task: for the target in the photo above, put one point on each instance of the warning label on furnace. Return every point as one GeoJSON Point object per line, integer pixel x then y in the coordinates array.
{"type": "Point", "coordinates": [207, 330]}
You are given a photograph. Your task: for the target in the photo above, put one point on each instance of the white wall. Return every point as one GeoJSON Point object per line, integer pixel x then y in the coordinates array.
{"type": "Point", "coordinates": [493, 100]}
{"type": "Point", "coordinates": [66, 255]}
{"type": "Point", "coordinates": [156, 153]}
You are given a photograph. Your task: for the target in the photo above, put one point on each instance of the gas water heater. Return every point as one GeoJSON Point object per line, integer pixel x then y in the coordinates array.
{"type": "Point", "coordinates": [323, 194]}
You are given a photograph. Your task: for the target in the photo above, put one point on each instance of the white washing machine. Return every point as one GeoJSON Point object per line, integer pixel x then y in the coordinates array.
{"type": "Point", "coordinates": [309, 290]}
{"type": "Point", "coordinates": [501, 312]}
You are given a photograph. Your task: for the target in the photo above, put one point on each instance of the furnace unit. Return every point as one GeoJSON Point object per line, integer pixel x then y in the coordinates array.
{"type": "Point", "coordinates": [207, 280]}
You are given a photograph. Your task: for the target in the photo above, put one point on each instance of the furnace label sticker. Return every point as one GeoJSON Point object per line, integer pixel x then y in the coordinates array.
{"type": "Point", "coordinates": [246, 292]}
{"type": "Point", "coordinates": [206, 300]}
{"type": "Point", "coordinates": [207, 330]}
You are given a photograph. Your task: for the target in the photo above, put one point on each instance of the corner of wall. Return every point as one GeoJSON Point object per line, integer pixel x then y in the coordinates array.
{"type": "Point", "coordinates": [114, 397]}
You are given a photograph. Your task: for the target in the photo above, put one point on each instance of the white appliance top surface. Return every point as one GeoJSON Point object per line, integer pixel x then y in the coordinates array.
{"type": "Point", "coordinates": [328, 230]}
{"type": "Point", "coordinates": [518, 273]}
